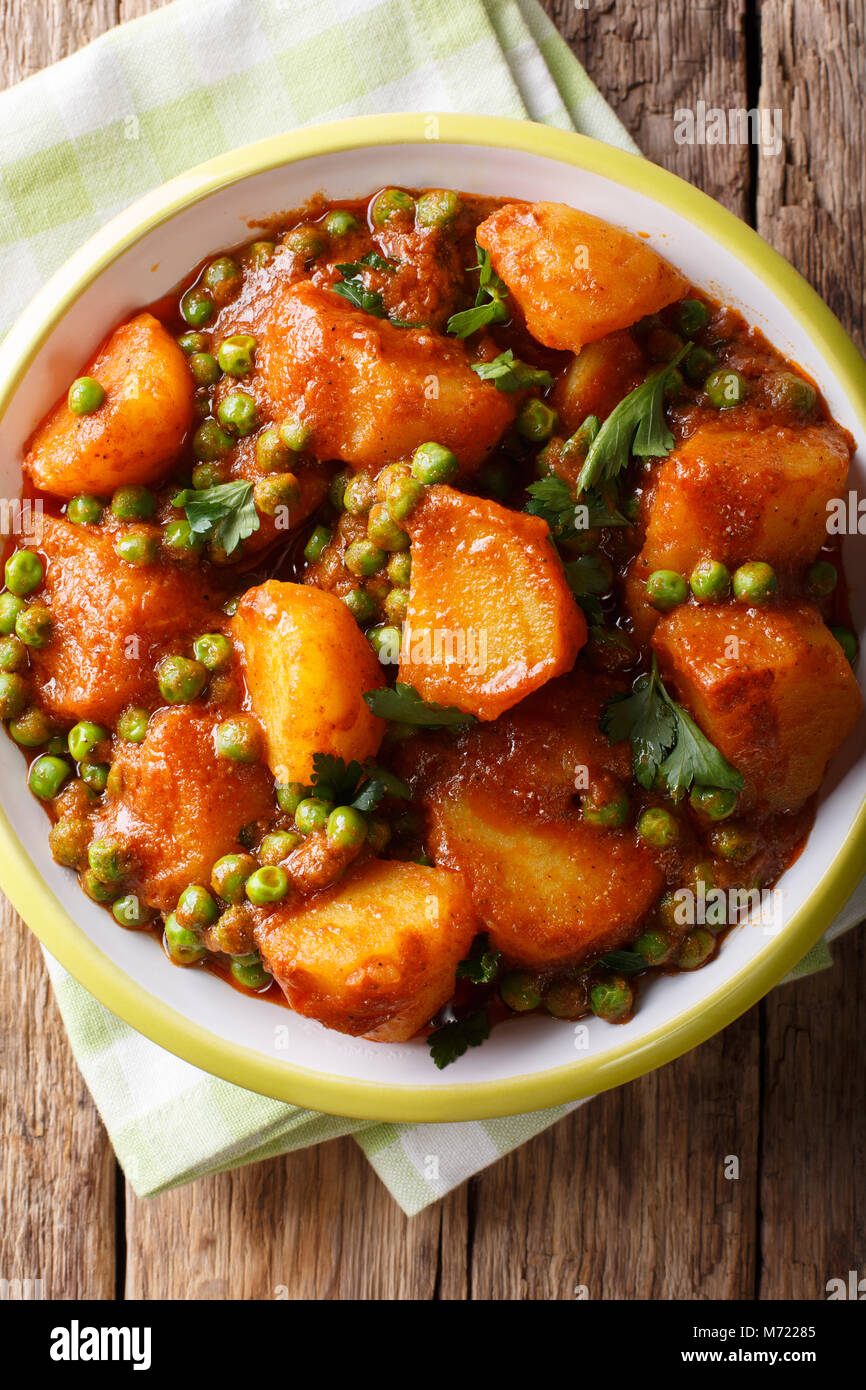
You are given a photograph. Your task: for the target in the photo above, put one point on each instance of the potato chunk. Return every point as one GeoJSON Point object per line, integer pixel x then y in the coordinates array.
{"type": "Point", "coordinates": [371, 392]}
{"type": "Point", "coordinates": [135, 433]}
{"type": "Point", "coordinates": [575, 277]}
{"type": "Point", "coordinates": [307, 665]}
{"type": "Point", "coordinates": [770, 687]}
{"type": "Point", "coordinates": [179, 806]}
{"type": "Point", "coordinates": [549, 893]}
{"type": "Point", "coordinates": [111, 623]}
{"type": "Point", "coordinates": [597, 379]}
{"type": "Point", "coordinates": [491, 616]}
{"type": "Point", "coordinates": [376, 955]}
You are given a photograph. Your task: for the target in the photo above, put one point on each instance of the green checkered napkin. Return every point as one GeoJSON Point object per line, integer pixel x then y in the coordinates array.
{"type": "Point", "coordinates": [83, 139]}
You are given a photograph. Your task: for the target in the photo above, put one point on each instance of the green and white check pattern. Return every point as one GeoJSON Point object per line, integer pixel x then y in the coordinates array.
{"type": "Point", "coordinates": [81, 140]}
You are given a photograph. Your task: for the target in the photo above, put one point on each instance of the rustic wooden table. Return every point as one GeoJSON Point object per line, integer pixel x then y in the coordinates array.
{"type": "Point", "coordinates": [629, 1196]}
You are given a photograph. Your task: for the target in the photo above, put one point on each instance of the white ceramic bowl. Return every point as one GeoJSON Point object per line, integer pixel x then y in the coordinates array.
{"type": "Point", "coordinates": [533, 1062]}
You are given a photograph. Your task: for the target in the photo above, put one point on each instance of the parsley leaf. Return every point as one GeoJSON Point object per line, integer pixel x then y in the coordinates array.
{"type": "Point", "coordinates": [451, 1040]}
{"type": "Point", "coordinates": [624, 962]}
{"type": "Point", "coordinates": [404, 705]}
{"type": "Point", "coordinates": [372, 261]}
{"type": "Point", "coordinates": [362, 298]}
{"type": "Point", "coordinates": [551, 498]}
{"type": "Point", "coordinates": [694, 759]}
{"type": "Point", "coordinates": [636, 426]}
{"type": "Point", "coordinates": [355, 785]}
{"type": "Point", "coordinates": [481, 966]}
{"type": "Point", "coordinates": [225, 513]}
{"type": "Point", "coordinates": [489, 306]}
{"type": "Point", "coordinates": [510, 374]}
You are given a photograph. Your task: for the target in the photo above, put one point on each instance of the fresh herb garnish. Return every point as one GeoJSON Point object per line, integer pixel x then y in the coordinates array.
{"type": "Point", "coordinates": [489, 306]}
{"type": "Point", "coordinates": [665, 739]}
{"type": "Point", "coordinates": [636, 426]}
{"type": "Point", "coordinates": [481, 966]}
{"type": "Point", "coordinates": [356, 292]}
{"type": "Point", "coordinates": [623, 962]}
{"type": "Point", "coordinates": [361, 786]}
{"type": "Point", "coordinates": [451, 1040]}
{"type": "Point", "coordinates": [372, 261]}
{"type": "Point", "coordinates": [224, 513]}
{"type": "Point", "coordinates": [404, 705]}
{"type": "Point", "coordinates": [552, 499]}
{"type": "Point", "coordinates": [510, 374]}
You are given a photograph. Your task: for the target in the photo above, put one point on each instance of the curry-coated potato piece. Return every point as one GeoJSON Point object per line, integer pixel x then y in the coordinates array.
{"type": "Point", "coordinates": [111, 622]}
{"type": "Point", "coordinates": [307, 665]}
{"type": "Point", "coordinates": [135, 433]}
{"type": "Point", "coordinates": [370, 392]}
{"type": "Point", "coordinates": [575, 277]}
{"type": "Point", "coordinates": [175, 806]}
{"type": "Point", "coordinates": [548, 892]}
{"type": "Point", "coordinates": [771, 687]}
{"type": "Point", "coordinates": [377, 954]}
{"type": "Point", "coordinates": [597, 379]}
{"type": "Point", "coordinates": [491, 616]}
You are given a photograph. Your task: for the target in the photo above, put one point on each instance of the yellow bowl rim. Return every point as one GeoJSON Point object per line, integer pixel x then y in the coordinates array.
{"type": "Point", "coordinates": [117, 990]}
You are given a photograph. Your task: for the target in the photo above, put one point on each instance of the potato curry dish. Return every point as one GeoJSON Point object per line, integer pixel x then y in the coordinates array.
{"type": "Point", "coordinates": [431, 617]}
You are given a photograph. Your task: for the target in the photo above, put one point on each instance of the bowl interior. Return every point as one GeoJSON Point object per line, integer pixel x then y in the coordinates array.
{"type": "Point", "coordinates": [149, 268]}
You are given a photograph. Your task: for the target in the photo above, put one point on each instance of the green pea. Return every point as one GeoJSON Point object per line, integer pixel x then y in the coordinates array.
{"type": "Point", "coordinates": [755, 582]}
{"type": "Point", "coordinates": [290, 795]}
{"type": "Point", "coordinates": [251, 974]}
{"type": "Point", "coordinates": [305, 241]}
{"type": "Point", "coordinates": [239, 739]}
{"type": "Point", "coordinates": [359, 494]}
{"type": "Point", "coordinates": [437, 208]}
{"type": "Point", "coordinates": [68, 840]}
{"type": "Point", "coordinates": [85, 396]}
{"type": "Point", "coordinates": [108, 861]}
{"type": "Point", "coordinates": [269, 884]}
{"type": "Point", "coordinates": [94, 775]}
{"type": "Point", "coordinates": [84, 510]}
{"type": "Point", "coordinates": [180, 679]}
{"type": "Point", "coordinates": [521, 991]}
{"type": "Point", "coordinates": [364, 558]}
{"type": "Point", "coordinates": [433, 463]}
{"type": "Point", "coordinates": [385, 642]}
{"type": "Point", "coordinates": [259, 254]}
{"type": "Point", "coordinates": [272, 455]}
{"type": "Point", "coordinates": [396, 605]}
{"type": "Point", "coordinates": [847, 641]}
{"type": "Point", "coordinates": [223, 278]}
{"type": "Point", "coordinates": [133, 503]}
{"type": "Point", "coordinates": [695, 949]}
{"type": "Point", "coordinates": [196, 908]}
{"type": "Point", "coordinates": [360, 604]}
{"type": "Point", "coordinates": [317, 544]}
{"type": "Point", "coordinates": [390, 205]}
{"type": "Point", "coordinates": [654, 945]}
{"type": "Point", "coordinates": [13, 654]}
{"type": "Point", "coordinates": [278, 846]}
{"type": "Point", "coordinates": [33, 626]}
{"type": "Point", "coordinates": [821, 578]}
{"type": "Point", "coordinates": [339, 222]}
{"type": "Point", "coordinates": [734, 843]}
{"type": "Point", "coordinates": [31, 727]}
{"type": "Point", "coordinates": [205, 369]}
{"type": "Point", "coordinates": [566, 998]}
{"type": "Point", "coordinates": [295, 434]}
{"type": "Point", "coordinates": [666, 589]}
{"type": "Point", "coordinates": [611, 998]}
{"type": "Point", "coordinates": [196, 308]}
{"type": "Point", "coordinates": [132, 724]}
{"type": "Point", "coordinates": [312, 814]}
{"type": "Point", "coordinates": [10, 606]}
{"type": "Point", "coordinates": [97, 890]}
{"type": "Point", "coordinates": [658, 827]}
{"type": "Point", "coordinates": [205, 475]}
{"type": "Point", "coordinates": [181, 540]}
{"type": "Point", "coordinates": [181, 944]}
{"type": "Point", "coordinates": [275, 491]}
{"type": "Point", "coordinates": [607, 805]}
{"type": "Point", "coordinates": [47, 775]}
{"type": "Point", "coordinates": [238, 414]}
{"type": "Point", "coordinates": [399, 569]}
{"type": "Point", "coordinates": [383, 531]}
{"type": "Point", "coordinates": [137, 547]}
{"type": "Point", "coordinates": [194, 342]}
{"type": "Point", "coordinates": [793, 393]}
{"type": "Point", "coordinates": [536, 421]}
{"type": "Point", "coordinates": [210, 442]}
{"type": "Point", "coordinates": [229, 876]}
{"type": "Point", "coordinates": [130, 911]}
{"type": "Point", "coordinates": [690, 316]}
{"type": "Point", "coordinates": [698, 365]}
{"type": "Point", "coordinates": [710, 580]}
{"type": "Point", "coordinates": [213, 650]}
{"type": "Point", "coordinates": [725, 388]}
{"type": "Point", "coordinates": [337, 490]}
{"type": "Point", "coordinates": [84, 737]}
{"type": "Point", "coordinates": [347, 828]}
{"type": "Point", "coordinates": [235, 354]}
{"type": "Point", "coordinates": [23, 573]}
{"type": "Point", "coordinates": [716, 803]}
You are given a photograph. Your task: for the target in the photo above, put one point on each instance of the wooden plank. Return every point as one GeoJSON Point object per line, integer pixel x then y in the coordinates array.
{"type": "Point", "coordinates": [36, 34]}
